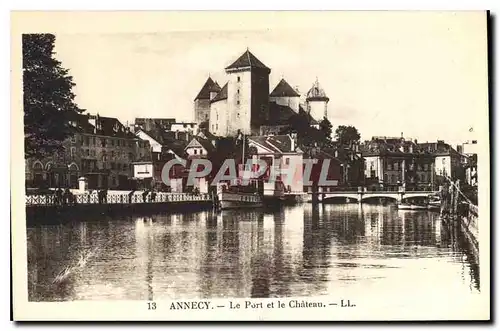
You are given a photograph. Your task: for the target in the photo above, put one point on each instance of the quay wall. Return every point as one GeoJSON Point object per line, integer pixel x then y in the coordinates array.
{"type": "Point", "coordinates": [45, 209]}
{"type": "Point", "coordinates": [58, 214]}
{"type": "Point", "coordinates": [468, 220]}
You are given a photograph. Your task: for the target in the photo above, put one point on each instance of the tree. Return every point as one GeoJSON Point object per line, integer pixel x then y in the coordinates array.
{"type": "Point", "coordinates": [48, 99]}
{"type": "Point", "coordinates": [326, 129]}
{"type": "Point", "coordinates": [300, 123]}
{"type": "Point", "coordinates": [347, 135]}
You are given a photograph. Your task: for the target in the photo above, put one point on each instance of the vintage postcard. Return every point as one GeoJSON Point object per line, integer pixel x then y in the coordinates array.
{"type": "Point", "coordinates": [252, 166]}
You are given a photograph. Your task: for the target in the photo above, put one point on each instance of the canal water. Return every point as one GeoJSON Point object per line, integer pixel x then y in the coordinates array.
{"type": "Point", "coordinates": [296, 251]}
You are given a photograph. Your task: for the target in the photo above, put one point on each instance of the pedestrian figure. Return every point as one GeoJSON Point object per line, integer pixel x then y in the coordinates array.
{"type": "Point", "coordinates": [153, 196]}
{"type": "Point", "coordinates": [100, 195]}
{"type": "Point", "coordinates": [66, 196]}
{"type": "Point", "coordinates": [144, 196]}
{"type": "Point", "coordinates": [59, 196]}
{"type": "Point", "coordinates": [54, 194]}
{"type": "Point", "coordinates": [130, 195]}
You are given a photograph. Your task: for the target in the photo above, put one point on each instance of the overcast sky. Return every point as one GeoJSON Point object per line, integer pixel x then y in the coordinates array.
{"type": "Point", "coordinates": [423, 74]}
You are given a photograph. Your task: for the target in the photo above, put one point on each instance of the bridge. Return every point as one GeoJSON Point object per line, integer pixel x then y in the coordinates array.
{"type": "Point", "coordinates": [360, 196]}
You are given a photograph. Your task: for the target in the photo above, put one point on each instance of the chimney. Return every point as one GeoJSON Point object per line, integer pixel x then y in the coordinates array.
{"type": "Point", "coordinates": [293, 138]}
{"type": "Point", "coordinates": [93, 122]}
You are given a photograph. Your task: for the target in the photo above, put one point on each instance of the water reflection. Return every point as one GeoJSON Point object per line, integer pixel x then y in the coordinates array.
{"type": "Point", "coordinates": [296, 251]}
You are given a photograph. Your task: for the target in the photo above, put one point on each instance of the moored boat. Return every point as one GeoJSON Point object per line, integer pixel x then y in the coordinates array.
{"type": "Point", "coordinates": [273, 193]}
{"type": "Point", "coordinates": [409, 206]}
{"type": "Point", "coordinates": [430, 203]}
{"type": "Point", "coordinates": [232, 200]}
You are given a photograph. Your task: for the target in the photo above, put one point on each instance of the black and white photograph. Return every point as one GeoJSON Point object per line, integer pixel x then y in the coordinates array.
{"type": "Point", "coordinates": [251, 165]}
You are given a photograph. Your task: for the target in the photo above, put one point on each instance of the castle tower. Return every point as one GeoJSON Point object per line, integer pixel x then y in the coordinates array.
{"type": "Point", "coordinates": [284, 95]}
{"type": "Point", "coordinates": [317, 102]}
{"type": "Point", "coordinates": [202, 100]}
{"type": "Point", "coordinates": [247, 94]}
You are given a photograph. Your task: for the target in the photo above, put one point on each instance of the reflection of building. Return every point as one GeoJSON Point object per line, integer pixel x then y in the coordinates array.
{"type": "Point", "coordinates": [102, 150]}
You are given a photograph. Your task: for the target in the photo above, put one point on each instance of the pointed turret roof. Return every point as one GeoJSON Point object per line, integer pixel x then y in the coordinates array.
{"type": "Point", "coordinates": [222, 95]}
{"type": "Point", "coordinates": [283, 89]}
{"type": "Point", "coordinates": [247, 60]}
{"type": "Point", "coordinates": [209, 86]}
{"type": "Point", "coordinates": [316, 93]}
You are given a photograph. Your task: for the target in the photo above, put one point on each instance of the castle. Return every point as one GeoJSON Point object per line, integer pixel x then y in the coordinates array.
{"type": "Point", "coordinates": [244, 103]}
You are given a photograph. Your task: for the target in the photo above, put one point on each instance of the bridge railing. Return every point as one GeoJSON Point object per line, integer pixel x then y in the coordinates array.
{"type": "Point", "coordinates": [340, 192]}
{"type": "Point", "coordinates": [123, 198]}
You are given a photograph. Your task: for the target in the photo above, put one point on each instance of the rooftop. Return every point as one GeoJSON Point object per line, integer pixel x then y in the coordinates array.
{"type": "Point", "coordinates": [276, 144]}
{"type": "Point", "coordinates": [283, 89]}
{"type": "Point", "coordinates": [100, 125]}
{"type": "Point", "coordinates": [222, 95]}
{"type": "Point", "coordinates": [209, 86]}
{"type": "Point", "coordinates": [247, 60]}
{"type": "Point", "coordinates": [317, 93]}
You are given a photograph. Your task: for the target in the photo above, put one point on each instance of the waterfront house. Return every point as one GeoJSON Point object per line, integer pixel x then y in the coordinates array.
{"type": "Point", "coordinates": [200, 147]}
{"type": "Point", "coordinates": [282, 154]}
{"type": "Point", "coordinates": [447, 160]}
{"type": "Point", "coordinates": [392, 162]}
{"type": "Point", "coordinates": [333, 171]}
{"type": "Point", "coordinates": [165, 146]}
{"type": "Point", "coordinates": [102, 150]}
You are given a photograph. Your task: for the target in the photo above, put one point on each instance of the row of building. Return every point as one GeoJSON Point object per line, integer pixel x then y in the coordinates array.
{"type": "Point", "coordinates": [112, 155]}
{"type": "Point", "coordinates": [116, 156]}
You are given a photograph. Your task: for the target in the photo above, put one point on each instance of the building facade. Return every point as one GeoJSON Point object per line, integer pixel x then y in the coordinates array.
{"type": "Point", "coordinates": [447, 161]}
{"type": "Point", "coordinates": [102, 150]}
{"type": "Point", "coordinates": [317, 102]}
{"type": "Point", "coordinates": [284, 95]}
{"type": "Point", "coordinates": [202, 101]}
{"type": "Point", "coordinates": [391, 163]}
{"type": "Point", "coordinates": [283, 156]}
{"type": "Point", "coordinates": [244, 103]}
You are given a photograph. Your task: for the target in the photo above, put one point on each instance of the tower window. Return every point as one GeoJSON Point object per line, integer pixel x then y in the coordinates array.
{"type": "Point", "coordinates": [238, 78]}
{"type": "Point", "coordinates": [238, 91]}
{"type": "Point", "coordinates": [238, 102]}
